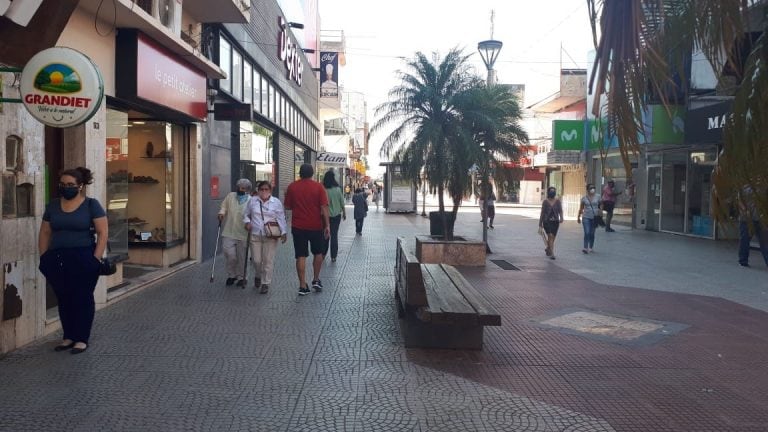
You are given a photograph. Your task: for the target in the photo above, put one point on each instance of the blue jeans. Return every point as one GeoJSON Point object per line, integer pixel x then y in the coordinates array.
{"type": "Point", "coordinates": [589, 232]}
{"type": "Point", "coordinates": [745, 237]}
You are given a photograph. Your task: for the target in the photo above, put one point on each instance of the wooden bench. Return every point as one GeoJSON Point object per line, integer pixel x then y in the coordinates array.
{"type": "Point", "coordinates": [440, 309]}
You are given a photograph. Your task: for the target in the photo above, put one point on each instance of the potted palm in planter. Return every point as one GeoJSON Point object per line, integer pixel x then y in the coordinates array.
{"type": "Point", "coordinates": [442, 113]}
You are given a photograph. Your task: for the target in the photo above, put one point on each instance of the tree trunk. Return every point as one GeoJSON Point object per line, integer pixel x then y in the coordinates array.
{"type": "Point", "coordinates": [441, 208]}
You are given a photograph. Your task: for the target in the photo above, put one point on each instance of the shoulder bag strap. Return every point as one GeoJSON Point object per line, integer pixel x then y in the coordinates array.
{"type": "Point", "coordinates": [263, 221]}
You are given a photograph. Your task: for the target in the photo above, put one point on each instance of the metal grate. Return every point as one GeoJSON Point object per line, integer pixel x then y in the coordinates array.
{"type": "Point", "coordinates": [506, 265]}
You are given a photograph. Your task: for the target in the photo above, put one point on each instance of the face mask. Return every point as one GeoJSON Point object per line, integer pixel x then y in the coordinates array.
{"type": "Point", "coordinates": [240, 193]}
{"type": "Point", "coordinates": [551, 194]}
{"type": "Point", "coordinates": [592, 190]}
{"type": "Point", "coordinates": [69, 193]}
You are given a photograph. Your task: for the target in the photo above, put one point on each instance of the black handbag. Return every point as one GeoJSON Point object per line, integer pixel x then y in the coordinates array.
{"type": "Point", "coordinates": [108, 267]}
{"type": "Point", "coordinates": [598, 217]}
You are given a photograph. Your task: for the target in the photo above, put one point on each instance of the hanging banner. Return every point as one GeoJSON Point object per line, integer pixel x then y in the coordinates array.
{"type": "Point", "coordinates": [61, 87]}
{"type": "Point", "coordinates": [332, 158]}
{"type": "Point", "coordinates": [329, 68]}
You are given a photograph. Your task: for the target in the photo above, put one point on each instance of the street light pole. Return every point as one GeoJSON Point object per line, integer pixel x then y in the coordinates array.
{"type": "Point", "coordinates": [489, 52]}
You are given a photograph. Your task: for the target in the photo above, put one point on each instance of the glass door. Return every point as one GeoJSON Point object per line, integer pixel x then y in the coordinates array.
{"type": "Point", "coordinates": [654, 198]}
{"type": "Point", "coordinates": [673, 187]}
{"type": "Point", "coordinates": [702, 163]}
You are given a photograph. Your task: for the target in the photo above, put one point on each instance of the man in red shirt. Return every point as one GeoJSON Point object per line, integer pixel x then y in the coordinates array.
{"type": "Point", "coordinates": [310, 224]}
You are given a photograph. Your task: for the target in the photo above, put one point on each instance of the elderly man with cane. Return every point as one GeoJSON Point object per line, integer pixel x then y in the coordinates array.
{"type": "Point", "coordinates": [234, 233]}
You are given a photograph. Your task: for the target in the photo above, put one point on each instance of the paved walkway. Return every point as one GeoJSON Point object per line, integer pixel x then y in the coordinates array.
{"type": "Point", "coordinates": [615, 341]}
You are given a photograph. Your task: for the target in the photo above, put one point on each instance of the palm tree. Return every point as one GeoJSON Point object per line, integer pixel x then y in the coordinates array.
{"type": "Point", "coordinates": [443, 112]}
{"type": "Point", "coordinates": [643, 47]}
{"type": "Point", "coordinates": [423, 108]}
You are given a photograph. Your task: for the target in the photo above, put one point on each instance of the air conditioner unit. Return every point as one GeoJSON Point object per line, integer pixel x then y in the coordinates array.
{"type": "Point", "coordinates": [168, 12]}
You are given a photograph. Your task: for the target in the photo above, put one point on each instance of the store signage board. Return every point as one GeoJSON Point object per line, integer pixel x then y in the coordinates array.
{"type": "Point", "coordinates": [332, 158]}
{"type": "Point", "coordinates": [288, 52]}
{"type": "Point", "coordinates": [233, 112]}
{"type": "Point", "coordinates": [568, 134]}
{"type": "Point", "coordinates": [61, 87]}
{"type": "Point", "coordinates": [164, 80]}
{"type": "Point", "coordinates": [704, 125]}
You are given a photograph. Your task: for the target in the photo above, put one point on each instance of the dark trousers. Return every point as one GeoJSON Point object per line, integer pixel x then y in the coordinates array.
{"type": "Point", "coordinates": [359, 225]}
{"type": "Point", "coordinates": [73, 274]}
{"type": "Point", "coordinates": [745, 237]}
{"type": "Point", "coordinates": [334, 239]}
{"type": "Point", "coordinates": [608, 206]}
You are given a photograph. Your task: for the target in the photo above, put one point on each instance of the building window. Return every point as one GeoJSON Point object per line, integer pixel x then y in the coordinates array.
{"type": "Point", "coordinates": [247, 83]}
{"type": "Point", "coordinates": [225, 63]}
{"type": "Point", "coordinates": [256, 91]}
{"type": "Point", "coordinates": [13, 153]}
{"type": "Point", "coordinates": [237, 75]}
{"type": "Point", "coordinates": [272, 103]}
{"type": "Point", "coordinates": [264, 97]}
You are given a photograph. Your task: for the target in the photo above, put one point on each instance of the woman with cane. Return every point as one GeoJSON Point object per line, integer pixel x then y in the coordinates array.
{"type": "Point", "coordinates": [264, 218]}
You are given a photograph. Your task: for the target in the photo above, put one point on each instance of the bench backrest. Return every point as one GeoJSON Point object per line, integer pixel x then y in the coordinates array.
{"type": "Point", "coordinates": [409, 281]}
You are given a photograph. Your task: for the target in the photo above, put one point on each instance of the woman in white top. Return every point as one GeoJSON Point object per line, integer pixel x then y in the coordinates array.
{"type": "Point", "coordinates": [591, 206]}
{"type": "Point", "coordinates": [234, 234]}
{"type": "Point", "coordinates": [262, 209]}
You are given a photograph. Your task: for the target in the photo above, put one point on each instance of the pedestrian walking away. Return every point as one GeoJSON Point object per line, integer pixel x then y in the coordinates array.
{"type": "Point", "coordinates": [376, 195]}
{"type": "Point", "coordinates": [336, 212]}
{"type": "Point", "coordinates": [550, 219]}
{"type": "Point", "coordinates": [361, 210]}
{"type": "Point", "coordinates": [310, 225]}
{"type": "Point", "coordinates": [750, 224]}
{"type": "Point", "coordinates": [70, 256]}
{"type": "Point", "coordinates": [260, 216]}
{"type": "Point", "coordinates": [234, 236]}
{"type": "Point", "coordinates": [589, 209]}
{"type": "Point", "coordinates": [609, 203]}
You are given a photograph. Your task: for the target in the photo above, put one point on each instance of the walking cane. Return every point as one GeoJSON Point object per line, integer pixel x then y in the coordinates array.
{"type": "Point", "coordinates": [247, 247]}
{"type": "Point", "coordinates": [216, 251]}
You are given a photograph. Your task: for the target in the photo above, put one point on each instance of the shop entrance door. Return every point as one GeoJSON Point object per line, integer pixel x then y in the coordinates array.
{"type": "Point", "coordinates": [654, 198]}
{"type": "Point", "coordinates": [673, 196]}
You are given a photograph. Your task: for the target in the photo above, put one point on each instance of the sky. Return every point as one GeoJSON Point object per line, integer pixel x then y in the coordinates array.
{"type": "Point", "coordinates": [379, 33]}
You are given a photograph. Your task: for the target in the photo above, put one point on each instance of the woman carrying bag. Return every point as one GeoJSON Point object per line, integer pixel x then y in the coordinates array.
{"type": "Point", "coordinates": [591, 211]}
{"type": "Point", "coordinates": [264, 218]}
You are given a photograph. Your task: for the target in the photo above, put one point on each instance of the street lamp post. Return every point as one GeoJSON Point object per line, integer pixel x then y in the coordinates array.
{"type": "Point", "coordinates": [489, 52]}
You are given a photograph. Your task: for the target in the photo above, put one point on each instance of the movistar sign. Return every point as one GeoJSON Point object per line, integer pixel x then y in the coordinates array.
{"type": "Point", "coordinates": [568, 135]}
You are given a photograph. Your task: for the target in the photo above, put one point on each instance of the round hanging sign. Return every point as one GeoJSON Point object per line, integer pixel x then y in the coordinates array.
{"type": "Point", "coordinates": [61, 87]}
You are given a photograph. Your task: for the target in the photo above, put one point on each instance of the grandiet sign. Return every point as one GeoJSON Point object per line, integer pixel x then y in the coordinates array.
{"type": "Point", "coordinates": [61, 87]}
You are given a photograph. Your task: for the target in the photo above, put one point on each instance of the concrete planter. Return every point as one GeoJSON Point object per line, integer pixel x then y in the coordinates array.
{"type": "Point", "coordinates": [459, 251]}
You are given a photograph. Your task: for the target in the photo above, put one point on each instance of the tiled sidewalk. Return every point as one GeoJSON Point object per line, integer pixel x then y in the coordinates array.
{"type": "Point", "coordinates": [189, 355]}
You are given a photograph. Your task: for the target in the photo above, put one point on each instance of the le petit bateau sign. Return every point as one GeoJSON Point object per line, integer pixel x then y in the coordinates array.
{"type": "Point", "coordinates": [61, 87]}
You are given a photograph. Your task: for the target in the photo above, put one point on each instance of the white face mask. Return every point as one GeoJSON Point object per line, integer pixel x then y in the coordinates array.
{"type": "Point", "coordinates": [592, 190]}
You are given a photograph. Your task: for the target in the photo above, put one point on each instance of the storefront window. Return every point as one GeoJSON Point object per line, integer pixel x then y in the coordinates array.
{"type": "Point", "coordinates": [117, 182]}
{"type": "Point", "coordinates": [702, 164]}
{"type": "Point", "coordinates": [255, 152]}
{"type": "Point", "coordinates": [615, 170]}
{"type": "Point", "coordinates": [256, 91]}
{"type": "Point", "coordinates": [145, 172]}
{"type": "Point", "coordinates": [237, 75]}
{"type": "Point", "coordinates": [225, 63]}
{"type": "Point", "coordinates": [247, 83]}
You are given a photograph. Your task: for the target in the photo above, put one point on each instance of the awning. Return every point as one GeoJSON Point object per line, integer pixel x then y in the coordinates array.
{"type": "Point", "coordinates": [705, 125]}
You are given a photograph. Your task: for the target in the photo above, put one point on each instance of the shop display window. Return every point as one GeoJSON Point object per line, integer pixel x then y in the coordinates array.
{"type": "Point", "coordinates": [256, 152]}
{"type": "Point", "coordinates": [117, 186]}
{"type": "Point", "coordinates": [145, 172]}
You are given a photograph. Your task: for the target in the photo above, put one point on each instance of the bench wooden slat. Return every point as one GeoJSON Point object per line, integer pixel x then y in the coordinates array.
{"type": "Point", "coordinates": [446, 304]}
{"type": "Point", "coordinates": [487, 314]}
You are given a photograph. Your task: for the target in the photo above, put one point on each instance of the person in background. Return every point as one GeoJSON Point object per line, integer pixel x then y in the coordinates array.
{"type": "Point", "coordinates": [550, 219]}
{"type": "Point", "coordinates": [336, 211]}
{"type": "Point", "coordinates": [588, 209]}
{"type": "Point", "coordinates": [490, 209]}
{"type": "Point", "coordinates": [262, 209]}
{"type": "Point", "coordinates": [361, 210]}
{"type": "Point", "coordinates": [347, 192]}
{"type": "Point", "coordinates": [234, 235]}
{"type": "Point", "coordinates": [749, 225]}
{"type": "Point", "coordinates": [376, 195]}
{"type": "Point", "coordinates": [70, 256]}
{"type": "Point", "coordinates": [609, 203]}
{"type": "Point", "coordinates": [310, 225]}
